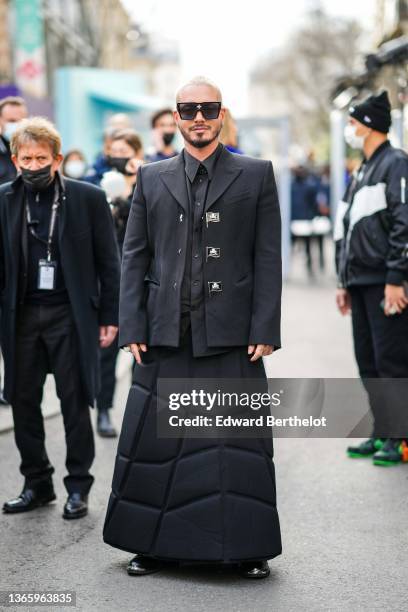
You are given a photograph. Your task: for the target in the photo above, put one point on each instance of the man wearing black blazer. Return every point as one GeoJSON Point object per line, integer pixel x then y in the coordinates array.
{"type": "Point", "coordinates": [200, 298]}
{"type": "Point", "coordinates": [59, 284]}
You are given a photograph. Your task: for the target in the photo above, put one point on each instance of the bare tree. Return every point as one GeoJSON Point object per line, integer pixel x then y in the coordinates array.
{"type": "Point", "coordinates": [302, 74]}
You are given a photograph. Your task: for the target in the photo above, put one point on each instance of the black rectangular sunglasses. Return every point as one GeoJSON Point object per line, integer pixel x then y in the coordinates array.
{"type": "Point", "coordinates": [188, 110]}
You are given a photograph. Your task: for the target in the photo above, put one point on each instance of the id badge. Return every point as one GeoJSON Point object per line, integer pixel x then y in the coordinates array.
{"type": "Point", "coordinates": [46, 274]}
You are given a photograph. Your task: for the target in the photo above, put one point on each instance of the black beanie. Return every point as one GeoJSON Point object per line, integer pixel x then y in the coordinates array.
{"type": "Point", "coordinates": [374, 112]}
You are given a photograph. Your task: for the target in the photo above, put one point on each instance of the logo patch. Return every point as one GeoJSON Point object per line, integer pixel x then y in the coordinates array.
{"type": "Point", "coordinates": [213, 251]}
{"type": "Point", "coordinates": [212, 217]}
{"type": "Point", "coordinates": [214, 286]}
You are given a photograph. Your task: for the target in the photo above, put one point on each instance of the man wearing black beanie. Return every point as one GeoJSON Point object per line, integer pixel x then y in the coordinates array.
{"type": "Point", "coordinates": [371, 234]}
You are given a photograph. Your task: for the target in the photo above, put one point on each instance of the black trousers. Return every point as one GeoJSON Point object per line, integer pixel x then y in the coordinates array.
{"type": "Point", "coordinates": [47, 342]}
{"type": "Point", "coordinates": [381, 349]}
{"type": "Point", "coordinates": [108, 358]}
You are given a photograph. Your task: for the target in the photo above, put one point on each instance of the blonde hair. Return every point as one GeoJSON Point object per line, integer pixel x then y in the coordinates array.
{"type": "Point", "coordinates": [37, 129]}
{"type": "Point", "coordinates": [229, 132]}
{"type": "Point", "coordinates": [197, 82]}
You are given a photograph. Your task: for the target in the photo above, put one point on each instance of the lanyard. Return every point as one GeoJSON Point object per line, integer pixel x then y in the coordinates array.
{"type": "Point", "coordinates": [54, 212]}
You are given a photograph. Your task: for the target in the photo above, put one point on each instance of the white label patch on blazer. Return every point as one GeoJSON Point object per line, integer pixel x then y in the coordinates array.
{"type": "Point", "coordinates": [367, 201]}
{"type": "Point", "coordinates": [338, 232]}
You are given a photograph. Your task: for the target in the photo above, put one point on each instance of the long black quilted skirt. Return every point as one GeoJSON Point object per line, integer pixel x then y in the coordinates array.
{"type": "Point", "coordinates": [191, 500]}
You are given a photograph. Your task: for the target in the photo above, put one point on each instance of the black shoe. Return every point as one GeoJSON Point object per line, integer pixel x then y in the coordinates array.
{"type": "Point", "coordinates": [254, 569]}
{"type": "Point", "coordinates": [76, 506]}
{"type": "Point", "coordinates": [366, 448]}
{"type": "Point", "coordinates": [3, 402]}
{"type": "Point", "coordinates": [389, 454]}
{"type": "Point", "coordinates": [141, 566]}
{"type": "Point", "coordinates": [104, 426]}
{"type": "Point", "coordinates": [30, 498]}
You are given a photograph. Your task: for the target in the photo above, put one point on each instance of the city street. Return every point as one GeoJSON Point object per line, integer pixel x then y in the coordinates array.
{"type": "Point", "coordinates": [343, 546]}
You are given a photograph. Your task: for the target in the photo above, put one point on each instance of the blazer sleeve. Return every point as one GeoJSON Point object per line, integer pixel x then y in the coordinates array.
{"type": "Point", "coordinates": [107, 260]}
{"type": "Point", "coordinates": [267, 289]}
{"type": "Point", "coordinates": [135, 263]}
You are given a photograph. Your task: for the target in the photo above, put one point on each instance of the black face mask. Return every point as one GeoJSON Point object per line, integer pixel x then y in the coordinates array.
{"type": "Point", "coordinates": [168, 138]}
{"type": "Point", "coordinates": [120, 163]}
{"type": "Point", "coordinates": [37, 179]}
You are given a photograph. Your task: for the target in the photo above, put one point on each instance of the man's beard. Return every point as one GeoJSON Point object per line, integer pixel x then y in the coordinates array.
{"type": "Point", "coordinates": [200, 143]}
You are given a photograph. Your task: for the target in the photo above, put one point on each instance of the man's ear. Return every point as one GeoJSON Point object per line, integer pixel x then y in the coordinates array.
{"type": "Point", "coordinates": [57, 161]}
{"type": "Point", "coordinates": [15, 162]}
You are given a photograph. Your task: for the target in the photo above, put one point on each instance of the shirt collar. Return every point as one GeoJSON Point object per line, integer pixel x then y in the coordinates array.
{"type": "Point", "coordinates": [192, 163]}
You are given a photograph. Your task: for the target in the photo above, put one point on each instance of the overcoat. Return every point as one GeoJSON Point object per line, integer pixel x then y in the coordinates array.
{"type": "Point", "coordinates": [242, 286]}
{"type": "Point", "coordinates": [90, 263]}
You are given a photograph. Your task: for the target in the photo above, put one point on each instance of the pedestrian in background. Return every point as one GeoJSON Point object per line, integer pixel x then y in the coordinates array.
{"type": "Point", "coordinates": [12, 110]}
{"type": "Point", "coordinates": [229, 133]}
{"type": "Point", "coordinates": [74, 165]}
{"type": "Point", "coordinates": [371, 237]}
{"type": "Point", "coordinates": [126, 155]}
{"type": "Point", "coordinates": [59, 281]}
{"type": "Point", "coordinates": [164, 131]}
{"type": "Point", "coordinates": [303, 198]}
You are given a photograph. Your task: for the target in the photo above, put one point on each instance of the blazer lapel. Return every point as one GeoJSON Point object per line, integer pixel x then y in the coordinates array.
{"type": "Point", "coordinates": [62, 208]}
{"type": "Point", "coordinates": [226, 171]}
{"type": "Point", "coordinates": [174, 177]}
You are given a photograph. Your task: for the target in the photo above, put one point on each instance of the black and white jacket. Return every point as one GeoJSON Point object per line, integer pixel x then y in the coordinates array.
{"type": "Point", "coordinates": [371, 229]}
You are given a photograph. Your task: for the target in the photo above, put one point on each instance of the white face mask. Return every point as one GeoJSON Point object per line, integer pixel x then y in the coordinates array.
{"type": "Point", "coordinates": [75, 168]}
{"type": "Point", "coordinates": [350, 136]}
{"type": "Point", "coordinates": [9, 129]}
{"type": "Point", "coordinates": [114, 184]}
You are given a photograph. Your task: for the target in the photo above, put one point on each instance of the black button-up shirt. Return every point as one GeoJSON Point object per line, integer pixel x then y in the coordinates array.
{"type": "Point", "coordinates": [198, 177]}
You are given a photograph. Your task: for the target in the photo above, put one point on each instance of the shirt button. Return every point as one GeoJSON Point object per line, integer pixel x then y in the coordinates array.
{"type": "Point", "coordinates": [195, 282]}
{"type": "Point", "coordinates": [179, 251]}
{"type": "Point", "coordinates": [196, 255]}
{"type": "Point", "coordinates": [198, 203]}
{"type": "Point", "coordinates": [174, 285]}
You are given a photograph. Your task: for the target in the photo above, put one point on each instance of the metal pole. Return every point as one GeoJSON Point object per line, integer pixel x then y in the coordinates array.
{"type": "Point", "coordinates": [337, 156]}
{"type": "Point", "coordinates": [397, 128]}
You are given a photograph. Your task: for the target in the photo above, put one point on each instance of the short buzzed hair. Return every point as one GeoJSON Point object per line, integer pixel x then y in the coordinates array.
{"type": "Point", "coordinates": [36, 129]}
{"type": "Point", "coordinates": [196, 82]}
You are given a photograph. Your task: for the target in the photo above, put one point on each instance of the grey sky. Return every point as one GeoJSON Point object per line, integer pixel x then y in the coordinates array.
{"type": "Point", "coordinates": [223, 39]}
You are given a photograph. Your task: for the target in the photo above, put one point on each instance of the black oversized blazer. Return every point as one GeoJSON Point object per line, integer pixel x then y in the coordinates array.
{"type": "Point", "coordinates": [243, 196]}
{"type": "Point", "coordinates": [90, 262]}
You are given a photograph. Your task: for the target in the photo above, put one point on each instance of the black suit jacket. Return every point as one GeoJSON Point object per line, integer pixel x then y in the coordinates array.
{"type": "Point", "coordinates": [91, 265]}
{"type": "Point", "coordinates": [248, 233]}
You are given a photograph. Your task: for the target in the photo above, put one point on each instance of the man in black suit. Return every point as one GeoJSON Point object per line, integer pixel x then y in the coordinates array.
{"type": "Point", "coordinates": [59, 283]}
{"type": "Point", "coordinates": [200, 298]}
